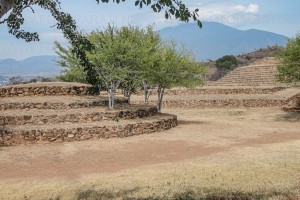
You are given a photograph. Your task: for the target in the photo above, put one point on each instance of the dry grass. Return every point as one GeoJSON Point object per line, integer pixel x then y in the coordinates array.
{"type": "Point", "coordinates": [264, 170]}
{"type": "Point", "coordinates": [250, 166]}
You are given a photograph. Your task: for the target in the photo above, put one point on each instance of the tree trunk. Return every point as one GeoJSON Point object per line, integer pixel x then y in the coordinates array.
{"type": "Point", "coordinates": [111, 92]}
{"type": "Point", "coordinates": [5, 7]}
{"type": "Point", "coordinates": [160, 94]}
{"type": "Point", "coordinates": [147, 92]}
{"type": "Point", "coordinates": [129, 97]}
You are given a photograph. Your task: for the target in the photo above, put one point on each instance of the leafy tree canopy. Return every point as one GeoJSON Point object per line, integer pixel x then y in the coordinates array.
{"type": "Point", "coordinates": [288, 69]}
{"type": "Point", "coordinates": [11, 14]}
{"type": "Point", "coordinates": [130, 57]}
{"type": "Point", "coordinates": [14, 18]}
{"type": "Point", "coordinates": [227, 62]}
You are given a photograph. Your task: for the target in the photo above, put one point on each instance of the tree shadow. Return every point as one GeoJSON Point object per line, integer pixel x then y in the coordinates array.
{"type": "Point", "coordinates": [190, 122]}
{"type": "Point", "coordinates": [289, 117]}
{"type": "Point", "coordinates": [92, 194]}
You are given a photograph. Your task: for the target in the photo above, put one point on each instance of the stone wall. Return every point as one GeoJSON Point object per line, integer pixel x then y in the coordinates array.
{"type": "Point", "coordinates": [58, 105]}
{"type": "Point", "coordinates": [293, 104]}
{"type": "Point", "coordinates": [14, 137]}
{"type": "Point", "coordinates": [45, 90]}
{"type": "Point", "coordinates": [76, 117]}
{"type": "Point", "coordinates": [226, 103]}
{"type": "Point", "coordinates": [216, 90]}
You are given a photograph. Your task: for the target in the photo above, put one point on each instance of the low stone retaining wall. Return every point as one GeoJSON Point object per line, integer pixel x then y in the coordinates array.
{"type": "Point", "coordinates": [58, 106]}
{"type": "Point", "coordinates": [16, 137]}
{"type": "Point", "coordinates": [203, 91]}
{"type": "Point", "coordinates": [44, 90]}
{"type": "Point", "coordinates": [293, 104]}
{"type": "Point", "coordinates": [76, 117]}
{"type": "Point", "coordinates": [228, 103]}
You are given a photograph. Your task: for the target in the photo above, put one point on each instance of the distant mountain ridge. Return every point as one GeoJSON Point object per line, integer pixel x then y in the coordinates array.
{"type": "Point", "coordinates": [33, 66]}
{"type": "Point", "coordinates": [215, 40]}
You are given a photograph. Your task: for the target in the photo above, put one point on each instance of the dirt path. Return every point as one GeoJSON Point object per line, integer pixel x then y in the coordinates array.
{"type": "Point", "coordinates": [201, 133]}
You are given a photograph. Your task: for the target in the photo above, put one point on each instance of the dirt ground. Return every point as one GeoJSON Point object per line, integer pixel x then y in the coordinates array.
{"type": "Point", "coordinates": [242, 149]}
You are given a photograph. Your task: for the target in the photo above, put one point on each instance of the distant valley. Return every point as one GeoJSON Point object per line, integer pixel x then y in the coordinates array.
{"type": "Point", "coordinates": [28, 68]}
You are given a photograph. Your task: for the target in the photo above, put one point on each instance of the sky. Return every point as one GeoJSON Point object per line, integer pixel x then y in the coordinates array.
{"type": "Point", "coordinates": [278, 16]}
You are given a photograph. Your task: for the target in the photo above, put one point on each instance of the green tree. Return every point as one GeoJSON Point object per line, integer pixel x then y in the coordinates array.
{"type": "Point", "coordinates": [288, 69]}
{"type": "Point", "coordinates": [141, 44]}
{"type": "Point", "coordinates": [15, 19]}
{"type": "Point", "coordinates": [227, 62]}
{"type": "Point", "coordinates": [174, 68]}
{"type": "Point", "coordinates": [120, 57]}
{"type": "Point", "coordinates": [73, 71]}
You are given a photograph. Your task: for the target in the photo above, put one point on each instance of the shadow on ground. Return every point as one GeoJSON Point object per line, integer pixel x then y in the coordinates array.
{"type": "Point", "coordinates": [190, 122]}
{"type": "Point", "coordinates": [289, 117]}
{"type": "Point", "coordinates": [197, 194]}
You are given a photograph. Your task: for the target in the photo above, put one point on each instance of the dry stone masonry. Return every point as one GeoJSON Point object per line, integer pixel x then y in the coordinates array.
{"type": "Point", "coordinates": [50, 114]}
{"type": "Point", "coordinates": [88, 116]}
{"type": "Point", "coordinates": [40, 134]}
{"type": "Point", "coordinates": [207, 90]}
{"type": "Point", "coordinates": [249, 86]}
{"type": "Point", "coordinates": [45, 89]}
{"type": "Point", "coordinates": [293, 105]}
{"type": "Point", "coordinates": [58, 105]}
{"type": "Point", "coordinates": [253, 75]}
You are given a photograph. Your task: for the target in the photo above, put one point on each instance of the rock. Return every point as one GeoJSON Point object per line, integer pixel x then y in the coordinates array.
{"type": "Point", "coordinates": [71, 135]}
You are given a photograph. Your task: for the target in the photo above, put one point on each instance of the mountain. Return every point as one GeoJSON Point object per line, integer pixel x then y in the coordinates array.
{"type": "Point", "coordinates": [215, 40]}
{"type": "Point", "coordinates": [33, 66]}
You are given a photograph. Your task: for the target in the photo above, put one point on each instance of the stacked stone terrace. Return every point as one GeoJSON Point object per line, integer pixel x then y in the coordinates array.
{"type": "Point", "coordinates": [62, 112]}
{"type": "Point", "coordinates": [253, 75]}
{"type": "Point", "coordinates": [249, 86]}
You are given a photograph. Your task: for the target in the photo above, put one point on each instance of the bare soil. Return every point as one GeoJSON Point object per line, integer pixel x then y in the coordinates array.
{"type": "Point", "coordinates": [209, 142]}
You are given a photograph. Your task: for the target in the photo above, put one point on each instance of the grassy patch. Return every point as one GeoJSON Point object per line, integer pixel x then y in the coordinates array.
{"type": "Point", "coordinates": [198, 194]}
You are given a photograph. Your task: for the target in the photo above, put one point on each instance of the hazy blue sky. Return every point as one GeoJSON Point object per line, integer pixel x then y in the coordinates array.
{"type": "Point", "coordinates": [278, 16]}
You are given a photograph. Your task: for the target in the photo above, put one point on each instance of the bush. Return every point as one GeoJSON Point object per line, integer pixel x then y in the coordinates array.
{"type": "Point", "coordinates": [227, 62]}
{"type": "Point", "coordinates": [288, 69]}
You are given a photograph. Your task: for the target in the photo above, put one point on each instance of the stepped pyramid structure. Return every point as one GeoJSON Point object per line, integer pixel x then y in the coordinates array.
{"type": "Point", "coordinates": [253, 75]}
{"type": "Point", "coordinates": [63, 112]}
{"type": "Point", "coordinates": [250, 86]}
{"type": "Point", "coordinates": [262, 72]}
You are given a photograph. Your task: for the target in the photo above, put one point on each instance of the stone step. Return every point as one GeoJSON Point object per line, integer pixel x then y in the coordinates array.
{"type": "Point", "coordinates": [249, 75]}
{"type": "Point", "coordinates": [45, 89]}
{"type": "Point", "coordinates": [81, 115]}
{"type": "Point", "coordinates": [279, 98]}
{"type": "Point", "coordinates": [241, 84]}
{"type": "Point", "coordinates": [56, 102]}
{"type": "Point", "coordinates": [221, 103]}
{"type": "Point", "coordinates": [288, 93]}
{"type": "Point", "coordinates": [67, 132]}
{"type": "Point", "coordinates": [205, 90]}
{"type": "Point", "coordinates": [250, 78]}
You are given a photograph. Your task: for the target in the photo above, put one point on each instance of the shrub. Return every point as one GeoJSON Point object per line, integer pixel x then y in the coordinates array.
{"type": "Point", "coordinates": [288, 69]}
{"type": "Point", "coordinates": [227, 62]}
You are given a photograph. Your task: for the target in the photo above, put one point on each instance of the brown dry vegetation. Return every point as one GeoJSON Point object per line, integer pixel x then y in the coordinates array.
{"type": "Point", "coordinates": [261, 56]}
{"type": "Point", "coordinates": [213, 154]}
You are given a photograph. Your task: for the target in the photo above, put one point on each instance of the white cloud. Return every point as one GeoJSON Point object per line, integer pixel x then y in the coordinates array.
{"type": "Point", "coordinates": [252, 8]}
{"type": "Point", "coordinates": [227, 12]}
{"type": "Point", "coordinates": [239, 8]}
